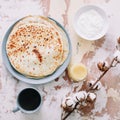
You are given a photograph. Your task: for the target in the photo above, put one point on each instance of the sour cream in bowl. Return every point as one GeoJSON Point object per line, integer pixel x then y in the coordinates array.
{"type": "Point", "coordinates": [91, 22]}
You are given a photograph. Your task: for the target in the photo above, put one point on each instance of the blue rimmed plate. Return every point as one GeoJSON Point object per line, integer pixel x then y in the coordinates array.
{"type": "Point", "coordinates": [23, 78]}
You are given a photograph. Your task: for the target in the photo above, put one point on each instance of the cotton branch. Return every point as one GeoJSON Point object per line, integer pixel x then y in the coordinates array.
{"type": "Point", "coordinates": [113, 63]}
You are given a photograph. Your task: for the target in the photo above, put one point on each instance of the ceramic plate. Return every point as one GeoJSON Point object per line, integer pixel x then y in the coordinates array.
{"type": "Point", "coordinates": [21, 77]}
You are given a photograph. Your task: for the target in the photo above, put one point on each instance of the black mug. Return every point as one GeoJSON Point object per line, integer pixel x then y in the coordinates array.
{"type": "Point", "coordinates": [28, 100]}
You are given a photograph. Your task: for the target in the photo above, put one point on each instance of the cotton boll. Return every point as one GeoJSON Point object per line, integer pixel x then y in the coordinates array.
{"type": "Point", "coordinates": [63, 103]}
{"type": "Point", "coordinates": [106, 64]}
{"type": "Point", "coordinates": [84, 103]}
{"type": "Point", "coordinates": [80, 96]}
{"type": "Point", "coordinates": [68, 104]}
{"type": "Point", "coordinates": [103, 66]}
{"type": "Point", "coordinates": [97, 86]}
{"type": "Point", "coordinates": [91, 97]}
{"type": "Point", "coordinates": [117, 54]}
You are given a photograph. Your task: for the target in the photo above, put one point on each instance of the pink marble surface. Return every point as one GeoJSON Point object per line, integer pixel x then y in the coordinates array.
{"type": "Point", "coordinates": [107, 105]}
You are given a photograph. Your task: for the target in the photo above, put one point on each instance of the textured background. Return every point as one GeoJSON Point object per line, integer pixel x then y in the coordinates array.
{"type": "Point", "coordinates": [107, 105]}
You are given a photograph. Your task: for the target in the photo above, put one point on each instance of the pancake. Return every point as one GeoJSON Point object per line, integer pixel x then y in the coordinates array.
{"type": "Point", "coordinates": [46, 21]}
{"type": "Point", "coordinates": [36, 46]}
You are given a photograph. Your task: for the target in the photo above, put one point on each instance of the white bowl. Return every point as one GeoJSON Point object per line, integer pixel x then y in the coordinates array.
{"type": "Point", "coordinates": [90, 27]}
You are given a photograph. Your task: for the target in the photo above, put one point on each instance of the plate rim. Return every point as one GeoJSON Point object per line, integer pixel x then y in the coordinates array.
{"type": "Point", "coordinates": [23, 78]}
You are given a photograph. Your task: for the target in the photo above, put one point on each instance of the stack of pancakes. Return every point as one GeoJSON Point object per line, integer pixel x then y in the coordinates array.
{"type": "Point", "coordinates": [37, 46]}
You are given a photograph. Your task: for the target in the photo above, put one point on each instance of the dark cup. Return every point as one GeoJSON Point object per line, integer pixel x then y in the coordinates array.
{"type": "Point", "coordinates": [28, 100]}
